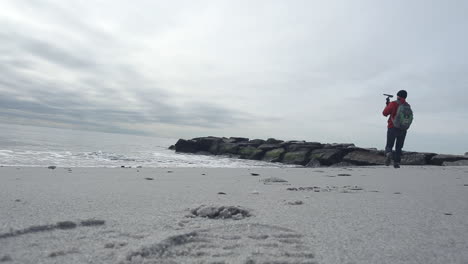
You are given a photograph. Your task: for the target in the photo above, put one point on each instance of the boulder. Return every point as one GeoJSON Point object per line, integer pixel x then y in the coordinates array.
{"type": "Point", "coordinates": [188, 146]}
{"type": "Point", "coordinates": [269, 146]}
{"type": "Point", "coordinates": [228, 148]}
{"type": "Point", "coordinates": [300, 157]}
{"type": "Point", "coordinates": [455, 163]}
{"type": "Point", "coordinates": [415, 158]}
{"type": "Point", "coordinates": [273, 141]}
{"type": "Point", "coordinates": [274, 155]}
{"type": "Point", "coordinates": [313, 163]}
{"type": "Point", "coordinates": [257, 142]}
{"type": "Point", "coordinates": [246, 144]}
{"type": "Point", "coordinates": [327, 156]}
{"type": "Point", "coordinates": [172, 147]}
{"type": "Point", "coordinates": [338, 145]}
{"type": "Point", "coordinates": [294, 142]}
{"type": "Point", "coordinates": [237, 140]}
{"type": "Point", "coordinates": [208, 144]}
{"type": "Point", "coordinates": [304, 146]}
{"type": "Point", "coordinates": [441, 158]}
{"type": "Point", "coordinates": [250, 153]}
{"type": "Point", "coordinates": [365, 157]}
{"type": "Point", "coordinates": [286, 144]}
{"type": "Point", "coordinates": [466, 153]}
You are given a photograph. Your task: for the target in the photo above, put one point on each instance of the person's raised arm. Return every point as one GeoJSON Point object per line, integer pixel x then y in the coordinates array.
{"type": "Point", "coordinates": [388, 109]}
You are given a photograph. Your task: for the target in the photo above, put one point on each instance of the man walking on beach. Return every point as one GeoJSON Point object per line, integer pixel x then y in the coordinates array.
{"type": "Point", "coordinates": [399, 121]}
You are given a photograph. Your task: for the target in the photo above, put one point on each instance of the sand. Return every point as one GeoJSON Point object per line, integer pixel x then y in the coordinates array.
{"type": "Point", "coordinates": [188, 215]}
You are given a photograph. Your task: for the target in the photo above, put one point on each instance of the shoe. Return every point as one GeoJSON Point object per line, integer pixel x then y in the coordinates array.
{"type": "Point", "coordinates": [396, 165]}
{"type": "Point", "coordinates": [388, 158]}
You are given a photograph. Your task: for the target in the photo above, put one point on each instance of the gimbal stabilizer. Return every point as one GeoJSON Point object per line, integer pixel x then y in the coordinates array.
{"type": "Point", "coordinates": [388, 98]}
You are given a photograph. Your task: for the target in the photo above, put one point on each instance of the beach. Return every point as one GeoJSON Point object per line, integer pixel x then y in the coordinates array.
{"type": "Point", "coordinates": [287, 215]}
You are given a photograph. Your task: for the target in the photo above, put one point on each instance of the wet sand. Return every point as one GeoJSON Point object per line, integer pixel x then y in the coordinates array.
{"type": "Point", "coordinates": [195, 215]}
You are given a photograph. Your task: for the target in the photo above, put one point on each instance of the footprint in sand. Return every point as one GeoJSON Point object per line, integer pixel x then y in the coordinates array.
{"type": "Point", "coordinates": [6, 258]}
{"type": "Point", "coordinates": [63, 225]}
{"type": "Point", "coordinates": [344, 174]}
{"type": "Point", "coordinates": [341, 189]}
{"type": "Point", "coordinates": [273, 180]}
{"type": "Point", "coordinates": [244, 243]}
{"type": "Point", "coordinates": [221, 212]}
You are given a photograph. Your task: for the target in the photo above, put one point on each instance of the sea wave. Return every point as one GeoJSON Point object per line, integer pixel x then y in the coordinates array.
{"type": "Point", "coordinates": [111, 159]}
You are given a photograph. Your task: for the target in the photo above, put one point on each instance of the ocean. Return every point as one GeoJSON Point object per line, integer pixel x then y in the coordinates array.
{"type": "Point", "coordinates": [33, 146]}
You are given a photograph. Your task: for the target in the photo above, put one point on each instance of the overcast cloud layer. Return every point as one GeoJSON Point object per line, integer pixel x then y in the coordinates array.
{"type": "Point", "coordinates": [312, 70]}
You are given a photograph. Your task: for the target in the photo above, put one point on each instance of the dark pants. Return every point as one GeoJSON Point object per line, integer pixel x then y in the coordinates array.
{"type": "Point", "coordinates": [398, 135]}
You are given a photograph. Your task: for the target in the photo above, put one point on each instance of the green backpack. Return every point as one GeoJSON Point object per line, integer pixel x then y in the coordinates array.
{"type": "Point", "coordinates": [403, 117]}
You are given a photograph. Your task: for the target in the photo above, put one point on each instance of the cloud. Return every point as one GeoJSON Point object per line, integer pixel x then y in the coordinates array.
{"type": "Point", "coordinates": [311, 70]}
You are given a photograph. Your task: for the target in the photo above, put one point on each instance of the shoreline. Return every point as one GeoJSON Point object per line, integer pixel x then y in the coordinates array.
{"type": "Point", "coordinates": [325, 215]}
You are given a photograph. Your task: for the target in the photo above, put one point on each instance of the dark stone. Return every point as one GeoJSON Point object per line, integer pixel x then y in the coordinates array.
{"type": "Point", "coordinates": [274, 155]}
{"type": "Point", "coordinates": [269, 146]}
{"type": "Point", "coordinates": [254, 174]}
{"type": "Point", "coordinates": [257, 142]}
{"type": "Point", "coordinates": [441, 158]}
{"type": "Point", "coordinates": [149, 179]}
{"type": "Point", "coordinates": [246, 152]}
{"type": "Point", "coordinates": [52, 167]}
{"type": "Point", "coordinates": [251, 153]}
{"type": "Point", "coordinates": [288, 143]}
{"type": "Point", "coordinates": [365, 157]}
{"type": "Point", "coordinates": [187, 146]}
{"type": "Point", "coordinates": [172, 147]}
{"type": "Point", "coordinates": [455, 163]}
{"type": "Point", "coordinates": [313, 163]}
{"type": "Point", "coordinates": [273, 141]}
{"type": "Point", "coordinates": [327, 156]}
{"type": "Point", "coordinates": [208, 144]}
{"type": "Point", "coordinates": [305, 146]}
{"type": "Point", "coordinates": [228, 148]}
{"type": "Point", "coordinates": [237, 140]}
{"type": "Point", "coordinates": [415, 158]}
{"type": "Point", "coordinates": [300, 157]}
{"type": "Point", "coordinates": [338, 145]}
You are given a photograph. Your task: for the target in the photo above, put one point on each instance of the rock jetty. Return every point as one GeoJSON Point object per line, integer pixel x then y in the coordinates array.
{"type": "Point", "coordinates": [309, 154]}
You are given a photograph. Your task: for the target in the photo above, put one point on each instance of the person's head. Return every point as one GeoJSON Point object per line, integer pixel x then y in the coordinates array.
{"type": "Point", "coordinates": [402, 93]}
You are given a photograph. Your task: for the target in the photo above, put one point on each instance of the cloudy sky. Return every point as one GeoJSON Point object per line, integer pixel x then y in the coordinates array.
{"type": "Point", "coordinates": [309, 70]}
